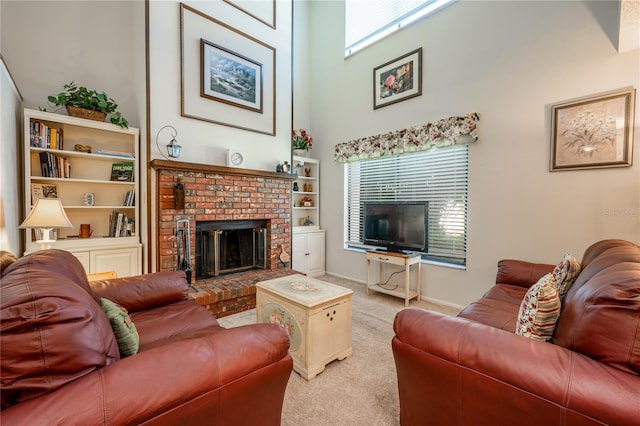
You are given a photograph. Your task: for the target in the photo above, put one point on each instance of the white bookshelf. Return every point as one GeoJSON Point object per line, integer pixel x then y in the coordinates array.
{"type": "Point", "coordinates": [89, 173]}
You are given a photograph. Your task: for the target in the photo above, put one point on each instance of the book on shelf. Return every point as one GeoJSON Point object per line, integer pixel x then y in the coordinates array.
{"type": "Point", "coordinates": [43, 190]}
{"type": "Point", "coordinates": [122, 172]}
{"type": "Point", "coordinates": [129, 198]}
{"type": "Point", "coordinates": [120, 225]}
{"type": "Point", "coordinates": [54, 166]}
{"type": "Point", "coordinates": [115, 153]}
{"type": "Point", "coordinates": [41, 135]}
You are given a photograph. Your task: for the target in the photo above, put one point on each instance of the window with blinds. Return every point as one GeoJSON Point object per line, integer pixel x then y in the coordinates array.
{"type": "Point", "coordinates": [439, 176]}
{"type": "Point", "coordinates": [367, 21]}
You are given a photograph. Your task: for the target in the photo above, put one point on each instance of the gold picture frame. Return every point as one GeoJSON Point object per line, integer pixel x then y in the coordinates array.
{"type": "Point", "coordinates": [593, 132]}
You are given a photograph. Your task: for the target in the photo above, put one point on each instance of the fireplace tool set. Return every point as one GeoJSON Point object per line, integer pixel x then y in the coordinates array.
{"type": "Point", "coordinates": [183, 246]}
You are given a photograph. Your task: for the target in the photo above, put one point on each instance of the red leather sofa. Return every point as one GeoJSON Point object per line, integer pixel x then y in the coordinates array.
{"type": "Point", "coordinates": [61, 364]}
{"type": "Point", "coordinates": [474, 370]}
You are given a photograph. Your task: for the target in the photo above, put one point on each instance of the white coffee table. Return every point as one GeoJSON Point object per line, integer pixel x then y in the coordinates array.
{"type": "Point", "coordinates": [316, 315]}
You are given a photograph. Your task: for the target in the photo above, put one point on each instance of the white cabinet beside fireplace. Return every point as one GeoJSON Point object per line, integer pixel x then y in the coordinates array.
{"type": "Point", "coordinates": [123, 261]}
{"type": "Point", "coordinates": [307, 250]}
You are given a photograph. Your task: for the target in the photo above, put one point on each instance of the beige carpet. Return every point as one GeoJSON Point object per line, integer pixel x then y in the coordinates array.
{"type": "Point", "coordinates": [359, 390]}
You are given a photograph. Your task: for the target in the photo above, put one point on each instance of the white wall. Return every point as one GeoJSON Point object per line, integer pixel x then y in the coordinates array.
{"type": "Point", "coordinates": [204, 142]}
{"type": "Point", "coordinates": [97, 44]}
{"type": "Point", "coordinates": [10, 160]}
{"type": "Point", "coordinates": [508, 61]}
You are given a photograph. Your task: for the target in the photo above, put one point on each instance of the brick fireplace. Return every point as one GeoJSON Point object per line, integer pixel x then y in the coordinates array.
{"type": "Point", "coordinates": [217, 193]}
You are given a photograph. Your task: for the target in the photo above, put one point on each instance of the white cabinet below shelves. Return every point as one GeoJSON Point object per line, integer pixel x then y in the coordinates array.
{"type": "Point", "coordinates": [124, 261]}
{"type": "Point", "coordinates": [307, 252]}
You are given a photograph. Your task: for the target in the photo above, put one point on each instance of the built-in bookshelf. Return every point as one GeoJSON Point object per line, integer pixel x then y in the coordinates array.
{"type": "Point", "coordinates": [305, 190]}
{"type": "Point", "coordinates": [93, 168]}
{"type": "Point", "coordinates": [307, 240]}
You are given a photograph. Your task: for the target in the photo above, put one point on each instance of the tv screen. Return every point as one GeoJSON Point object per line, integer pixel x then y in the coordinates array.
{"type": "Point", "coordinates": [396, 226]}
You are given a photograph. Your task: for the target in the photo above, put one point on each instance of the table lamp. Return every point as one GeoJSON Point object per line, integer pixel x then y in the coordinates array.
{"type": "Point", "coordinates": [46, 215]}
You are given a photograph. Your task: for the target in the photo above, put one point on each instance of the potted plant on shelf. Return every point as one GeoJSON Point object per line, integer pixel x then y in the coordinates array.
{"type": "Point", "coordinates": [84, 103]}
{"type": "Point", "coordinates": [301, 141]}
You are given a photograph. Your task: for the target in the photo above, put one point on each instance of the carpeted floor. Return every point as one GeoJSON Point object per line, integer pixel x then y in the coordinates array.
{"type": "Point", "coordinates": [359, 390]}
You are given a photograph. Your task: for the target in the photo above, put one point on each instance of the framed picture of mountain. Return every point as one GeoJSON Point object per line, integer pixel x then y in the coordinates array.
{"type": "Point", "coordinates": [229, 77]}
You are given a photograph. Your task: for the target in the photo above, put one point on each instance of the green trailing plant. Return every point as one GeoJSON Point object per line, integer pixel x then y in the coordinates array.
{"type": "Point", "coordinates": [82, 97]}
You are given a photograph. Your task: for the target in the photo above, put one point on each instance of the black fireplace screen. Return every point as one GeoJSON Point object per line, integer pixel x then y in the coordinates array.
{"type": "Point", "coordinates": [226, 247]}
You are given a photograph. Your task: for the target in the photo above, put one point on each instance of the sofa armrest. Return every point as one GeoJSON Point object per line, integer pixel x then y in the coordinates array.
{"type": "Point", "coordinates": [452, 370]}
{"type": "Point", "coordinates": [143, 291]}
{"type": "Point", "coordinates": [236, 376]}
{"type": "Point", "coordinates": [521, 273]}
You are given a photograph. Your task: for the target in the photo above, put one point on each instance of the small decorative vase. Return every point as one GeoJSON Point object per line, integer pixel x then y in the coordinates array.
{"type": "Point", "coordinates": [299, 152]}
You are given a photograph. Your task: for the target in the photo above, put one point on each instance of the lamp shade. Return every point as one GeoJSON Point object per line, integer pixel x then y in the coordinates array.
{"type": "Point", "coordinates": [47, 213]}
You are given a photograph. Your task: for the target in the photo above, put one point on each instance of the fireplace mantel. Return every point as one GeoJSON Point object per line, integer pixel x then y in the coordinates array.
{"type": "Point", "coordinates": [208, 168]}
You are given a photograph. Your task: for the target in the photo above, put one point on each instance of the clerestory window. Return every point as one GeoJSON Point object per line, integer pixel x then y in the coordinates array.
{"type": "Point", "coordinates": [367, 21]}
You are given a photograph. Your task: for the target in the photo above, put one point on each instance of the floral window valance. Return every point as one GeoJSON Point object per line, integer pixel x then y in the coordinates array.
{"type": "Point", "coordinates": [445, 132]}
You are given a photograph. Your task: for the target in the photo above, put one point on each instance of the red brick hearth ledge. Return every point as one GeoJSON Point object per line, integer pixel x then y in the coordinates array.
{"type": "Point", "coordinates": [230, 294]}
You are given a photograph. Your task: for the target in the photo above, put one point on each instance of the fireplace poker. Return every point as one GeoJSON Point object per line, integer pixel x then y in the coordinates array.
{"type": "Point", "coordinates": [183, 245]}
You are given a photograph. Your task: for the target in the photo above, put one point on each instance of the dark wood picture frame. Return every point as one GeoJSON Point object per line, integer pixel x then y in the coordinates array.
{"type": "Point", "coordinates": [398, 80]}
{"type": "Point", "coordinates": [231, 78]}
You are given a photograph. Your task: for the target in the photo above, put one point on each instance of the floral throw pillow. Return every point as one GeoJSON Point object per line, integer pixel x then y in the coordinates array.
{"type": "Point", "coordinates": [539, 310]}
{"type": "Point", "coordinates": [565, 273]}
{"type": "Point", "coordinates": [123, 327]}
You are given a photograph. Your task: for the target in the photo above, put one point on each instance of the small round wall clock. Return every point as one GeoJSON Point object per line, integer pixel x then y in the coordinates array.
{"type": "Point", "coordinates": [235, 158]}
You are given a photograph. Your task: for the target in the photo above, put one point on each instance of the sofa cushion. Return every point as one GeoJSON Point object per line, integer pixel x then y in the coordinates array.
{"type": "Point", "coordinates": [601, 312]}
{"type": "Point", "coordinates": [176, 321]}
{"type": "Point", "coordinates": [123, 327]}
{"type": "Point", "coordinates": [495, 313]}
{"type": "Point", "coordinates": [143, 291]}
{"type": "Point", "coordinates": [52, 330]}
{"type": "Point", "coordinates": [539, 310]}
{"type": "Point", "coordinates": [565, 273]}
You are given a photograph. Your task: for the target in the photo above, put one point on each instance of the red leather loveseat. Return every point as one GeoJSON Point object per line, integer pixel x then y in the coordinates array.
{"type": "Point", "coordinates": [61, 364]}
{"type": "Point", "coordinates": [474, 370]}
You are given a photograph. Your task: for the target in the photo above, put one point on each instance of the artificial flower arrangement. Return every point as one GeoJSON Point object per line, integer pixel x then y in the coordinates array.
{"type": "Point", "coordinates": [301, 140]}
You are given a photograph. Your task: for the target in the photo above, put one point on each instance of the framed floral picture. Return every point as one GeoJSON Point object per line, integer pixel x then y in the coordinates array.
{"type": "Point", "coordinates": [593, 132]}
{"type": "Point", "coordinates": [398, 79]}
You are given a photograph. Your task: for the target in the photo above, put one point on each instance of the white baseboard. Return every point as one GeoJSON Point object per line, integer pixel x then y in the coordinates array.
{"type": "Point", "coordinates": [431, 302]}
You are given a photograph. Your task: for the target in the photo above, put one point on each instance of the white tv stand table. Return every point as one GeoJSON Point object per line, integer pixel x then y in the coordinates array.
{"type": "Point", "coordinates": [401, 259]}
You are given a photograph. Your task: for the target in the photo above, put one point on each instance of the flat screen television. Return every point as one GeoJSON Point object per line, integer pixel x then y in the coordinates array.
{"type": "Point", "coordinates": [396, 226]}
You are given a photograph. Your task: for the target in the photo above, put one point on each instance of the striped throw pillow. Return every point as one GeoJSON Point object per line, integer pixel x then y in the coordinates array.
{"type": "Point", "coordinates": [565, 273]}
{"type": "Point", "coordinates": [539, 310]}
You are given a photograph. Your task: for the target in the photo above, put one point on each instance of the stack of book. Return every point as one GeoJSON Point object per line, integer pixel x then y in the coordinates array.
{"type": "Point", "coordinates": [54, 166]}
{"type": "Point", "coordinates": [129, 198]}
{"type": "Point", "coordinates": [120, 225]}
{"type": "Point", "coordinates": [43, 136]}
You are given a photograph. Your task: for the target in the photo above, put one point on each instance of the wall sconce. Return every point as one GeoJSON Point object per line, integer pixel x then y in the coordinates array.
{"type": "Point", "coordinates": [173, 147]}
{"type": "Point", "coordinates": [46, 214]}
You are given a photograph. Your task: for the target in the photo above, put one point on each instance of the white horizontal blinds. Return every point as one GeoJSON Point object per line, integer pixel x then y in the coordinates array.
{"type": "Point", "coordinates": [369, 20]}
{"type": "Point", "coordinates": [366, 17]}
{"type": "Point", "coordinates": [439, 176]}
